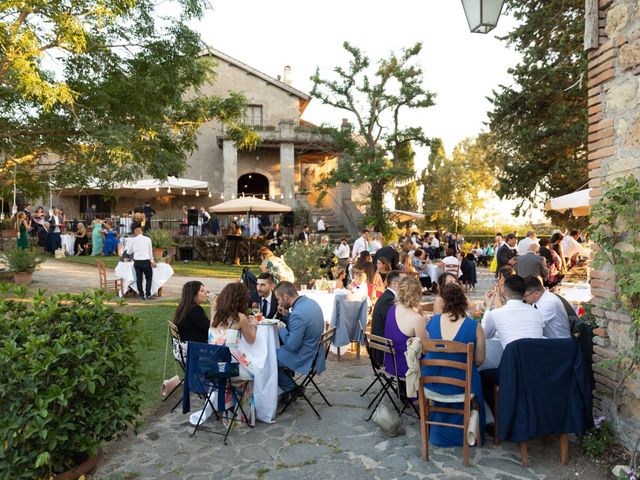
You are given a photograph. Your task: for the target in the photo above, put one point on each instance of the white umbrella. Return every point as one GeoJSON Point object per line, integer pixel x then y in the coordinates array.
{"type": "Point", "coordinates": [400, 216]}
{"type": "Point", "coordinates": [249, 205]}
{"type": "Point", "coordinates": [577, 202]}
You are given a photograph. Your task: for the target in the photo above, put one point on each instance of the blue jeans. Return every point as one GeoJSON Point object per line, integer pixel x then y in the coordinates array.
{"type": "Point", "coordinates": [284, 381]}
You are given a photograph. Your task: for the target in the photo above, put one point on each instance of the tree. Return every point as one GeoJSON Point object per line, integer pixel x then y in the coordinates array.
{"type": "Point", "coordinates": [406, 196]}
{"type": "Point", "coordinates": [539, 125]}
{"type": "Point", "coordinates": [103, 91]}
{"type": "Point", "coordinates": [374, 96]}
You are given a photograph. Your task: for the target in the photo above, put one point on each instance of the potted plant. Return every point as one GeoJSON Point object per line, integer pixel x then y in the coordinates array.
{"type": "Point", "coordinates": [22, 262]}
{"type": "Point", "coordinates": [8, 228]}
{"type": "Point", "coordinates": [160, 241]}
{"type": "Point", "coordinates": [304, 260]}
{"type": "Point", "coordinates": [69, 373]}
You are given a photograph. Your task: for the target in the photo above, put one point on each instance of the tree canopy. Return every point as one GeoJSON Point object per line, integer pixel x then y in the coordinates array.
{"type": "Point", "coordinates": [103, 91]}
{"type": "Point", "coordinates": [406, 195]}
{"type": "Point", "coordinates": [375, 95]}
{"type": "Point", "coordinates": [539, 125]}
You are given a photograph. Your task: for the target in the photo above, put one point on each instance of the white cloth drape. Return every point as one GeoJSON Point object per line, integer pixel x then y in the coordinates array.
{"type": "Point", "coordinates": [412, 377]}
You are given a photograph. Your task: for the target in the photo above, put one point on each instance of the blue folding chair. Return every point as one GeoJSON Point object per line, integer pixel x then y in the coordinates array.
{"type": "Point", "coordinates": [210, 369]}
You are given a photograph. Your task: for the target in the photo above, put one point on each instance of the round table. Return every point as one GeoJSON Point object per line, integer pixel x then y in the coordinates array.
{"type": "Point", "coordinates": [68, 242]}
{"type": "Point", "coordinates": [125, 270]}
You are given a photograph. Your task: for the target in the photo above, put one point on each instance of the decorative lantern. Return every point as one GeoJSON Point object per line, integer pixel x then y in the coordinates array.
{"type": "Point", "coordinates": [482, 15]}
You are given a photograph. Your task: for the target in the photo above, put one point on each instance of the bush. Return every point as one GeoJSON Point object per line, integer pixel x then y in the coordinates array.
{"type": "Point", "coordinates": [596, 441]}
{"type": "Point", "coordinates": [160, 239]}
{"type": "Point", "coordinates": [67, 380]}
{"type": "Point", "coordinates": [23, 260]}
{"type": "Point", "coordinates": [304, 260]}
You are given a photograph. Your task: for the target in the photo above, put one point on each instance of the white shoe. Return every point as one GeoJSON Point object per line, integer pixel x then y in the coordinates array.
{"type": "Point", "coordinates": [193, 419]}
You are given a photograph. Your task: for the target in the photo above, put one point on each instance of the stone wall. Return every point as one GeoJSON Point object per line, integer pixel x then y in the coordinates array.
{"type": "Point", "coordinates": [614, 150]}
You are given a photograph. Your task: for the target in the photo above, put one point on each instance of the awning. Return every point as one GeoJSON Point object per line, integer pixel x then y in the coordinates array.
{"type": "Point", "coordinates": [577, 202]}
{"type": "Point", "coordinates": [170, 182]}
{"type": "Point", "coordinates": [250, 205]}
{"type": "Point", "coordinates": [400, 216]}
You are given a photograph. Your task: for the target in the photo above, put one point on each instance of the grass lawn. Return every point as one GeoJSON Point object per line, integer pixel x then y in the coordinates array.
{"type": "Point", "coordinates": [190, 269]}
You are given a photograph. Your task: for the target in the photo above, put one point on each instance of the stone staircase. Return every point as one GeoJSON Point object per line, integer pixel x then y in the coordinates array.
{"type": "Point", "coordinates": [336, 231]}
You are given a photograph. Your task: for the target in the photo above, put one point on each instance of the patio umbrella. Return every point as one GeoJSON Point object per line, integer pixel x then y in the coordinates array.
{"type": "Point", "coordinates": [244, 205]}
{"type": "Point", "coordinates": [577, 202]}
{"type": "Point", "coordinates": [400, 216]}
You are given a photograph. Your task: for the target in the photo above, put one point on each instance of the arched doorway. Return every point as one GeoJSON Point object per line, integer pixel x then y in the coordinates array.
{"type": "Point", "coordinates": [253, 184]}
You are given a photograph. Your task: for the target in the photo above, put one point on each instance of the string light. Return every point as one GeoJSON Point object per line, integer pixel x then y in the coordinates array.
{"type": "Point", "coordinates": [169, 190]}
{"type": "Point", "coordinates": [183, 192]}
{"type": "Point", "coordinates": [210, 194]}
{"type": "Point", "coordinates": [146, 188]}
{"type": "Point", "coordinates": [157, 189]}
{"type": "Point", "coordinates": [282, 196]}
{"type": "Point", "coordinates": [291, 195]}
{"type": "Point", "coordinates": [222, 196]}
{"type": "Point", "coordinates": [233, 196]}
{"type": "Point", "coordinates": [197, 193]}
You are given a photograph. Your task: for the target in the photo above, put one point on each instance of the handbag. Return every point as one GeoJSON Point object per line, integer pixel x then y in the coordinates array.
{"type": "Point", "coordinates": [494, 264]}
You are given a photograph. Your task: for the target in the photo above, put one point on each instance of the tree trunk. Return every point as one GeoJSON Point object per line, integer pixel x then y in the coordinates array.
{"type": "Point", "coordinates": [377, 210]}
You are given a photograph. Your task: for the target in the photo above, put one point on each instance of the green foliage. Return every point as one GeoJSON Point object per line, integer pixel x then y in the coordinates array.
{"type": "Point", "coordinates": [23, 260]}
{"type": "Point", "coordinates": [302, 216]}
{"type": "Point", "coordinates": [103, 87]}
{"type": "Point", "coordinates": [596, 441]}
{"type": "Point", "coordinates": [160, 238]}
{"type": "Point", "coordinates": [68, 380]}
{"type": "Point", "coordinates": [454, 187]}
{"type": "Point", "coordinates": [374, 96]}
{"type": "Point", "coordinates": [406, 196]}
{"type": "Point", "coordinates": [539, 125]}
{"type": "Point", "coordinates": [304, 260]}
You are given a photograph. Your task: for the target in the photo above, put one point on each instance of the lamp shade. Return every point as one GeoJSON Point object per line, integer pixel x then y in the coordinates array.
{"type": "Point", "coordinates": [482, 15]}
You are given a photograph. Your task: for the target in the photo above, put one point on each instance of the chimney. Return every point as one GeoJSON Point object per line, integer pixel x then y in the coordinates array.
{"type": "Point", "coordinates": [287, 75]}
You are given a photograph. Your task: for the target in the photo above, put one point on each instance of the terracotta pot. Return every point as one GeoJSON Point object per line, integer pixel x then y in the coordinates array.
{"type": "Point", "coordinates": [83, 469]}
{"type": "Point", "coordinates": [8, 233]}
{"type": "Point", "coordinates": [22, 278]}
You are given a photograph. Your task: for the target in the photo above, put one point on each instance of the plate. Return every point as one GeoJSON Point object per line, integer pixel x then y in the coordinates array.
{"type": "Point", "coordinates": [268, 321]}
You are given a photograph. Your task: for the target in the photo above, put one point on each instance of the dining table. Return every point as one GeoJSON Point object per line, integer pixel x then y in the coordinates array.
{"type": "Point", "coordinates": [125, 270]}
{"type": "Point", "coordinates": [434, 272]}
{"type": "Point", "coordinates": [68, 242]}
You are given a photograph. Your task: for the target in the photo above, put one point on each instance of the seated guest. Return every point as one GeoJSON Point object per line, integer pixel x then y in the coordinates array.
{"type": "Point", "coordinates": [363, 258]}
{"type": "Point", "coordinates": [556, 245]}
{"type": "Point", "coordinates": [530, 264]}
{"type": "Point", "coordinates": [468, 269]}
{"type": "Point", "coordinates": [383, 267]}
{"type": "Point", "coordinates": [389, 251]}
{"type": "Point", "coordinates": [454, 325]}
{"type": "Point", "coordinates": [228, 326]}
{"type": "Point", "coordinates": [190, 317]}
{"type": "Point", "coordinates": [81, 239]}
{"type": "Point", "coordinates": [450, 258]}
{"type": "Point", "coordinates": [419, 262]}
{"type": "Point", "coordinates": [305, 324]}
{"type": "Point", "coordinates": [554, 265]}
{"type": "Point", "coordinates": [111, 240]}
{"type": "Point", "coordinates": [495, 298]}
{"type": "Point", "coordinates": [276, 266]}
{"type": "Point", "coordinates": [554, 315]}
{"type": "Point", "coordinates": [268, 301]}
{"type": "Point", "coordinates": [342, 278]}
{"type": "Point", "coordinates": [402, 323]}
{"type": "Point", "coordinates": [444, 279]}
{"type": "Point", "coordinates": [384, 303]}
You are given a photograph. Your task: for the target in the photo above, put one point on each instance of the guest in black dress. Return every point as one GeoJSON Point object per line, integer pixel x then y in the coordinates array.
{"type": "Point", "coordinates": [190, 317]}
{"type": "Point", "coordinates": [81, 240]}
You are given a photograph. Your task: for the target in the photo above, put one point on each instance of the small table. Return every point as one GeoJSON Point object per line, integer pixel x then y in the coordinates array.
{"type": "Point", "coordinates": [125, 270]}
{"type": "Point", "coordinates": [434, 272]}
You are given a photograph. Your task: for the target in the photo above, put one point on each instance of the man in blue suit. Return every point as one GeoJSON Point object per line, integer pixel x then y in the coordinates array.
{"type": "Point", "coordinates": [305, 325]}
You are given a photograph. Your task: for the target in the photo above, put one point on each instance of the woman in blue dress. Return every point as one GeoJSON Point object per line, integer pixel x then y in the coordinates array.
{"type": "Point", "coordinates": [110, 240]}
{"type": "Point", "coordinates": [453, 324]}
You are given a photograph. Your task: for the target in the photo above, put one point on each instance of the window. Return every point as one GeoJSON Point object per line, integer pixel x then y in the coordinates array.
{"type": "Point", "coordinates": [253, 115]}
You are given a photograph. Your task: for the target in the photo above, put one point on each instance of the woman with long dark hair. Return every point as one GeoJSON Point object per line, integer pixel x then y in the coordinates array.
{"type": "Point", "coordinates": [190, 317]}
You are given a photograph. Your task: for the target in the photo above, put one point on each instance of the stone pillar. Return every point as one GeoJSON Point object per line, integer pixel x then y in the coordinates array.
{"type": "Point", "coordinates": [287, 161]}
{"type": "Point", "coordinates": [230, 169]}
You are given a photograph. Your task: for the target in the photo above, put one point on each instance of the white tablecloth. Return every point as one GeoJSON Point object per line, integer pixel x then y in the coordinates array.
{"type": "Point", "coordinates": [265, 368]}
{"type": "Point", "coordinates": [161, 273]}
{"type": "Point", "coordinates": [68, 242]}
{"type": "Point", "coordinates": [575, 293]}
{"type": "Point", "coordinates": [434, 272]}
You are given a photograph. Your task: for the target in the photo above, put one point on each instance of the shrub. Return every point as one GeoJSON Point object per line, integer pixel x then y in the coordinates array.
{"type": "Point", "coordinates": [596, 441]}
{"type": "Point", "coordinates": [304, 260]}
{"type": "Point", "coordinates": [67, 379]}
{"type": "Point", "coordinates": [160, 239]}
{"type": "Point", "coordinates": [23, 260]}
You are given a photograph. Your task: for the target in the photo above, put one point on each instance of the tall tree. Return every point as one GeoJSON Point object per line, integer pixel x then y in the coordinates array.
{"type": "Point", "coordinates": [539, 125]}
{"type": "Point", "coordinates": [103, 90]}
{"type": "Point", "coordinates": [406, 196]}
{"type": "Point", "coordinates": [374, 95]}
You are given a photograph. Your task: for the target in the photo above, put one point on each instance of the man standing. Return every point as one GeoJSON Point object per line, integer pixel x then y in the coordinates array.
{"type": "Point", "coordinates": [148, 213]}
{"type": "Point", "coordinates": [275, 237]}
{"type": "Point", "coordinates": [390, 253]}
{"type": "Point", "coordinates": [305, 235]}
{"type": "Point", "coordinates": [305, 325]}
{"type": "Point", "coordinates": [321, 225]}
{"type": "Point", "coordinates": [360, 245]}
{"type": "Point", "coordinates": [505, 254]}
{"type": "Point", "coordinates": [377, 243]}
{"type": "Point", "coordinates": [268, 301]}
{"type": "Point", "coordinates": [384, 303]}
{"type": "Point", "coordinates": [141, 249]}
{"type": "Point", "coordinates": [550, 306]}
{"type": "Point", "coordinates": [90, 214]}
{"type": "Point", "coordinates": [55, 230]}
{"type": "Point", "coordinates": [342, 252]}
{"type": "Point", "coordinates": [27, 211]}
{"type": "Point", "coordinates": [571, 246]}
{"type": "Point", "coordinates": [531, 264]}
{"type": "Point", "coordinates": [523, 245]}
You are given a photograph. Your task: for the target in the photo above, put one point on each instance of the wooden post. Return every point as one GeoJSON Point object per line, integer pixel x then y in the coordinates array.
{"type": "Point", "coordinates": [523, 453]}
{"type": "Point", "coordinates": [591, 32]}
{"type": "Point", "coordinates": [564, 448]}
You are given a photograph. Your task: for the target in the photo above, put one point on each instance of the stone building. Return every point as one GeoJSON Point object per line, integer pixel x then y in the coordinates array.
{"type": "Point", "coordinates": [612, 38]}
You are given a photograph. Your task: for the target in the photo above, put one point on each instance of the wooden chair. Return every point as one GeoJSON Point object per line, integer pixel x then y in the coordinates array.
{"type": "Point", "coordinates": [427, 396]}
{"type": "Point", "coordinates": [452, 268]}
{"type": "Point", "coordinates": [426, 307]}
{"type": "Point", "coordinates": [106, 281]}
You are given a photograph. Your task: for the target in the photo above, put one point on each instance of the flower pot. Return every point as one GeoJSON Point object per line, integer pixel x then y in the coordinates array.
{"type": "Point", "coordinates": [22, 278]}
{"type": "Point", "coordinates": [83, 469]}
{"type": "Point", "coordinates": [9, 233]}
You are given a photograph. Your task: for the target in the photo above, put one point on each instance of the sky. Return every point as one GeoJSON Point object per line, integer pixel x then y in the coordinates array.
{"type": "Point", "coordinates": [460, 67]}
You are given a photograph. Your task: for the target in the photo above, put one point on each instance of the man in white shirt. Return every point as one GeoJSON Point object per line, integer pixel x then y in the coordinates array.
{"type": "Point", "coordinates": [377, 244]}
{"type": "Point", "coordinates": [142, 251]}
{"type": "Point", "coordinates": [554, 315]}
{"type": "Point", "coordinates": [360, 245]}
{"type": "Point", "coordinates": [516, 319]}
{"type": "Point", "coordinates": [321, 226]}
{"type": "Point", "coordinates": [571, 246]}
{"type": "Point", "coordinates": [525, 243]}
{"type": "Point", "coordinates": [342, 252]}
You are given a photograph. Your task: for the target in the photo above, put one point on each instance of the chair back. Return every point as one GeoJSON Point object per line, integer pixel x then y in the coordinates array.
{"type": "Point", "coordinates": [102, 273]}
{"type": "Point", "coordinates": [177, 345]}
{"type": "Point", "coordinates": [448, 347]}
{"type": "Point", "coordinates": [426, 307]}
{"type": "Point", "coordinates": [381, 344]}
{"type": "Point", "coordinates": [452, 268]}
{"type": "Point", "coordinates": [322, 348]}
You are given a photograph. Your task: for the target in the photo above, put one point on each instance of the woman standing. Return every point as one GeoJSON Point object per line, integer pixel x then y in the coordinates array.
{"type": "Point", "coordinates": [454, 325]}
{"type": "Point", "coordinates": [235, 234]}
{"type": "Point", "coordinates": [228, 326]}
{"type": "Point", "coordinates": [23, 226]}
{"type": "Point", "coordinates": [96, 238]}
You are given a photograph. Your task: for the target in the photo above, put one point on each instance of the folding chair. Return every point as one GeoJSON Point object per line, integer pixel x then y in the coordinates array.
{"type": "Point", "coordinates": [426, 395]}
{"type": "Point", "coordinates": [386, 380]}
{"type": "Point", "coordinates": [210, 369]}
{"type": "Point", "coordinates": [322, 349]}
{"type": "Point", "coordinates": [179, 355]}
